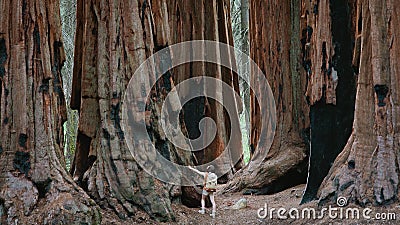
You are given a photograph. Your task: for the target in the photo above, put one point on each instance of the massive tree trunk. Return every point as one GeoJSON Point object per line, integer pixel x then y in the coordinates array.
{"type": "Point", "coordinates": [34, 186]}
{"type": "Point", "coordinates": [327, 58]}
{"type": "Point", "coordinates": [307, 60]}
{"type": "Point", "coordinates": [112, 40]}
{"type": "Point", "coordinates": [275, 47]}
{"type": "Point", "coordinates": [207, 20]}
{"type": "Point", "coordinates": [366, 171]}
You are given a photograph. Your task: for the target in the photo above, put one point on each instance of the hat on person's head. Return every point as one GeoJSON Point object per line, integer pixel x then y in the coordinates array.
{"type": "Point", "coordinates": [210, 168]}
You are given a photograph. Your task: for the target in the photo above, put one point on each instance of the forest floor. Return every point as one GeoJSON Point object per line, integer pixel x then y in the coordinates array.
{"type": "Point", "coordinates": [287, 199]}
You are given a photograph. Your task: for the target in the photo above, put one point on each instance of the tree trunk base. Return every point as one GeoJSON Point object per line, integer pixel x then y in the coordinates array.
{"type": "Point", "coordinates": [354, 176]}
{"type": "Point", "coordinates": [271, 174]}
{"type": "Point", "coordinates": [337, 178]}
{"type": "Point", "coordinates": [191, 197]}
{"type": "Point", "coordinates": [51, 202]}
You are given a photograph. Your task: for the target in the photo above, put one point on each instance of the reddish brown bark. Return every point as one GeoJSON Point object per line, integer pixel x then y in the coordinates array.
{"type": "Point", "coordinates": [327, 57]}
{"type": "Point", "coordinates": [113, 39]}
{"type": "Point", "coordinates": [366, 171]}
{"type": "Point", "coordinates": [207, 20]}
{"type": "Point", "coordinates": [275, 47]}
{"type": "Point", "coordinates": [34, 186]}
{"type": "Point", "coordinates": [307, 60]}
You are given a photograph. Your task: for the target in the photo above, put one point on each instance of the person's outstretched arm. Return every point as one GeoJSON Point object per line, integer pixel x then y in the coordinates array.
{"type": "Point", "coordinates": [196, 171]}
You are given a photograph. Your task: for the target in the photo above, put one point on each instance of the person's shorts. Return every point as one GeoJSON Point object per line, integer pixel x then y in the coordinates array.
{"type": "Point", "coordinates": [205, 192]}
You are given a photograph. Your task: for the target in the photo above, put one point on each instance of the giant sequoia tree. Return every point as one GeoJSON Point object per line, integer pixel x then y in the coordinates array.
{"type": "Point", "coordinates": [306, 58]}
{"type": "Point", "coordinates": [207, 20]}
{"type": "Point", "coordinates": [327, 61]}
{"type": "Point", "coordinates": [34, 186]}
{"type": "Point", "coordinates": [112, 40]}
{"type": "Point", "coordinates": [367, 169]}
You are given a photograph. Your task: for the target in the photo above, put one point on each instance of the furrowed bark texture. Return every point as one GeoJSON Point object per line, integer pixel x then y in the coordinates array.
{"type": "Point", "coordinates": [366, 171]}
{"type": "Point", "coordinates": [275, 47]}
{"type": "Point", "coordinates": [112, 40]}
{"type": "Point", "coordinates": [34, 186]}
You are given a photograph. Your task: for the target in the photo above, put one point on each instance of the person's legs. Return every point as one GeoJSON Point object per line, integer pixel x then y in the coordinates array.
{"type": "Point", "coordinates": [203, 202]}
{"type": "Point", "coordinates": [214, 206]}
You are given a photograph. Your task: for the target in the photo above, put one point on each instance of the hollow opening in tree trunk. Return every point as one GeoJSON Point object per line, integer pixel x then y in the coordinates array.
{"type": "Point", "coordinates": [22, 162]}
{"type": "Point", "coordinates": [331, 125]}
{"type": "Point", "coordinates": [43, 187]}
{"type": "Point", "coordinates": [81, 160]}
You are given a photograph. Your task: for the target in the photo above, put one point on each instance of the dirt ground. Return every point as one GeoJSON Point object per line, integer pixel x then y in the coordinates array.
{"type": "Point", "coordinates": [286, 199]}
